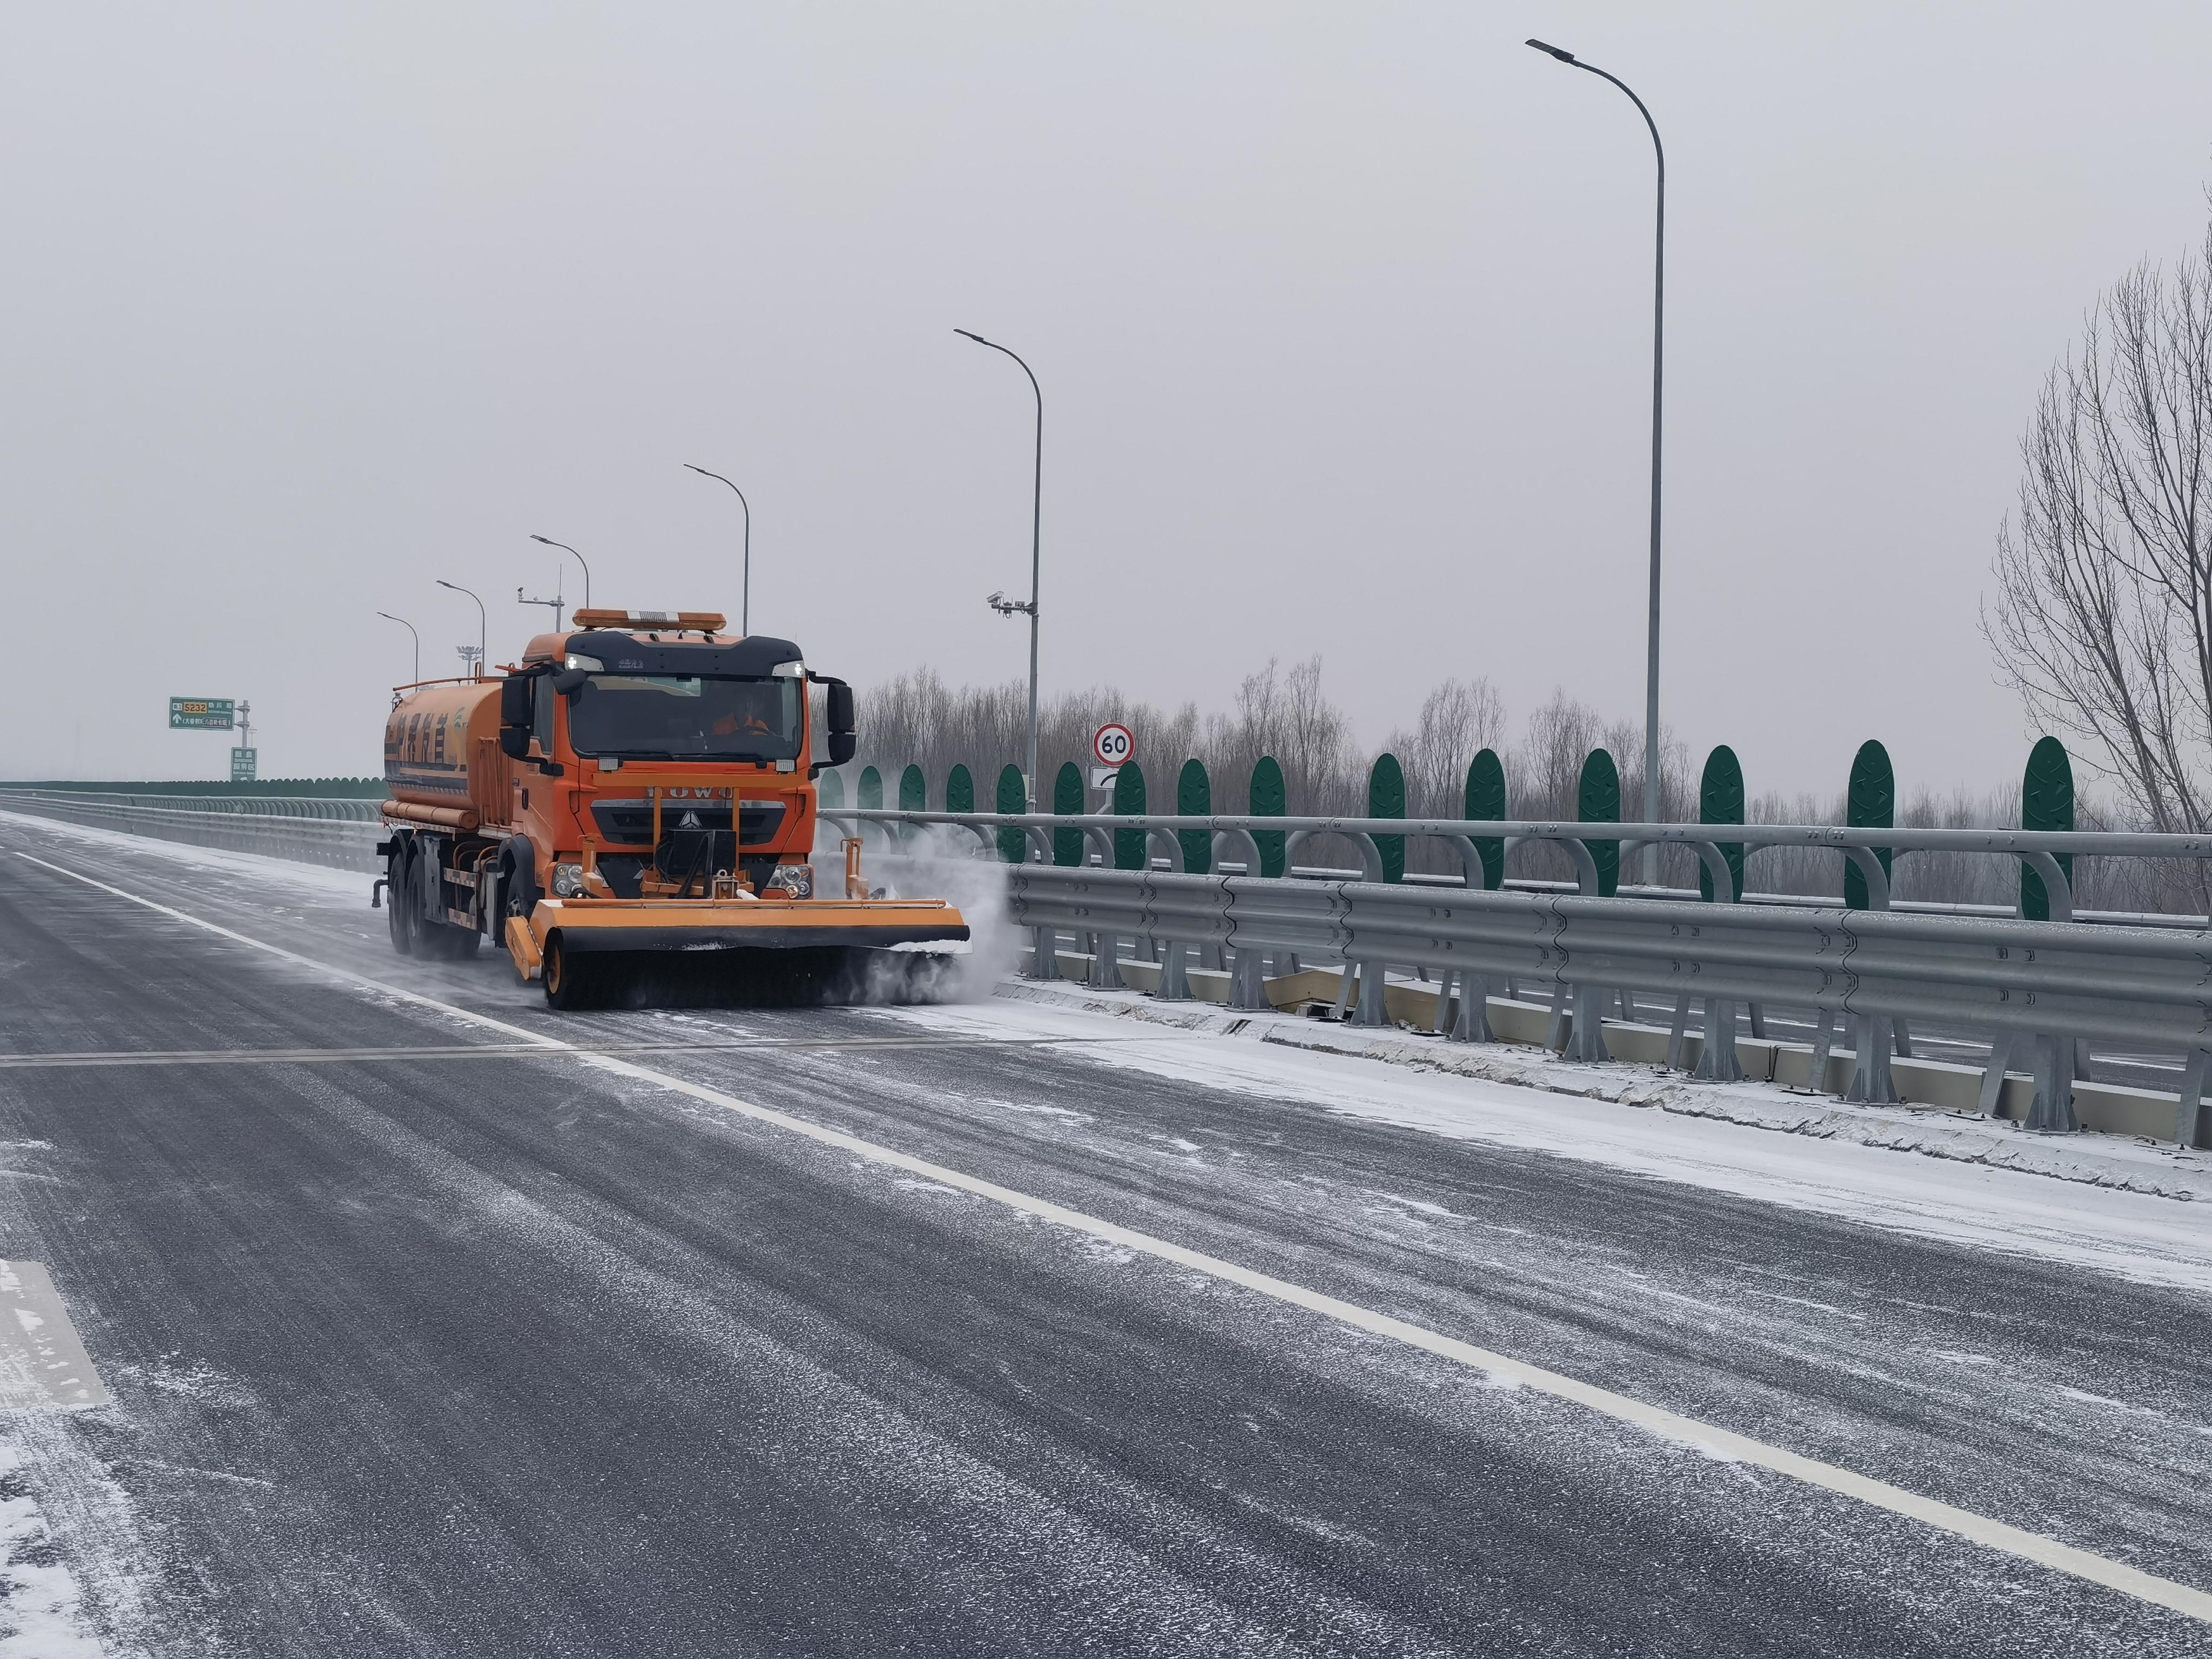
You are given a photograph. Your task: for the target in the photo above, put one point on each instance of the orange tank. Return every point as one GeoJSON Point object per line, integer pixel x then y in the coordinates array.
{"type": "Point", "coordinates": [441, 757]}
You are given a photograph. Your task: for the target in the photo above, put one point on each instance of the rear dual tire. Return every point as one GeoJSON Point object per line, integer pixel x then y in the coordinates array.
{"type": "Point", "coordinates": [402, 916]}
{"type": "Point", "coordinates": [407, 873]}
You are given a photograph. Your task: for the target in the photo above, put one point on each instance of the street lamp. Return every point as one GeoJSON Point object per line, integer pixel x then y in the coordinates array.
{"type": "Point", "coordinates": [1658, 342]}
{"type": "Point", "coordinates": [484, 631]}
{"type": "Point", "coordinates": [409, 627]}
{"type": "Point", "coordinates": [578, 557]}
{"type": "Point", "coordinates": [745, 593]}
{"type": "Point", "coordinates": [1009, 607]}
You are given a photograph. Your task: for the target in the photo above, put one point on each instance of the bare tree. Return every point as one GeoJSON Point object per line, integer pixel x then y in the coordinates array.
{"type": "Point", "coordinates": [1456, 720]}
{"type": "Point", "coordinates": [2103, 621]}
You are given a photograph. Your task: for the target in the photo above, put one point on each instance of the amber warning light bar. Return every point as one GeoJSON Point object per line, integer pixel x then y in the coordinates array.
{"type": "Point", "coordinates": [705, 621]}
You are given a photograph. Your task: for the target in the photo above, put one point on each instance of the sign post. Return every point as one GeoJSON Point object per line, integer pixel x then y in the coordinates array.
{"type": "Point", "coordinates": [1111, 745]}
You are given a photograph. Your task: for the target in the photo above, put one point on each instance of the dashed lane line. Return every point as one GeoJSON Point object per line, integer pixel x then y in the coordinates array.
{"type": "Point", "coordinates": [1724, 1443]}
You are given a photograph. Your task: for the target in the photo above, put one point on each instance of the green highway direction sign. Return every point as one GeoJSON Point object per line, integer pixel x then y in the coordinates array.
{"type": "Point", "coordinates": [241, 765]}
{"type": "Point", "coordinates": [201, 714]}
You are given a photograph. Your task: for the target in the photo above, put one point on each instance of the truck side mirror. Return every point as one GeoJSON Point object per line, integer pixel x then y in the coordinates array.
{"type": "Point", "coordinates": [840, 711]}
{"type": "Point", "coordinates": [514, 716]}
{"type": "Point", "coordinates": [843, 745]}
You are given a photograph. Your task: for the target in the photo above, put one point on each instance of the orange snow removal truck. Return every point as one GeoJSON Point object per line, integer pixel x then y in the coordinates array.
{"type": "Point", "coordinates": [631, 812]}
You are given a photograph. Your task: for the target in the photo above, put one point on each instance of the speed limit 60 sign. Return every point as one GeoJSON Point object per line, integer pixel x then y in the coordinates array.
{"type": "Point", "coordinates": [1113, 744]}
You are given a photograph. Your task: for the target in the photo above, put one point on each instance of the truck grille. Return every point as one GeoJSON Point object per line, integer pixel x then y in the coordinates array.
{"type": "Point", "coordinates": [629, 823]}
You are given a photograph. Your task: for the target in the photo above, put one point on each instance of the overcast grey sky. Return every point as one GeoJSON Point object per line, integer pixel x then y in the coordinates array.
{"type": "Point", "coordinates": [1341, 313]}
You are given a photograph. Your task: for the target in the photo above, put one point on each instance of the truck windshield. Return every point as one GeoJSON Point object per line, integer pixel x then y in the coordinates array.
{"type": "Point", "coordinates": [672, 717]}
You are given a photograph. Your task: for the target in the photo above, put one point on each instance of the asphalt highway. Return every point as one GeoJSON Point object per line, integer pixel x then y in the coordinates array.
{"type": "Point", "coordinates": [424, 1340]}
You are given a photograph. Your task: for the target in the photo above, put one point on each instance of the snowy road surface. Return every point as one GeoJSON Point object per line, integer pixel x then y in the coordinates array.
{"type": "Point", "coordinates": [951, 1331]}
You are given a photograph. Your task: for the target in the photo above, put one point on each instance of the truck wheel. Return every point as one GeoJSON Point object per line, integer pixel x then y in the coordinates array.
{"type": "Point", "coordinates": [569, 983]}
{"type": "Point", "coordinates": [399, 887]}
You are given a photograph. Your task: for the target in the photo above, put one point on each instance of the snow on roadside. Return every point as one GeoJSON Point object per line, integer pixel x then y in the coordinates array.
{"type": "Point", "coordinates": [2127, 1234]}
{"type": "Point", "coordinates": [72, 1566]}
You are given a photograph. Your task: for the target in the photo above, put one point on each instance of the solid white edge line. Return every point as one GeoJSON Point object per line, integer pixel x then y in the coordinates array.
{"type": "Point", "coordinates": [1880, 1494]}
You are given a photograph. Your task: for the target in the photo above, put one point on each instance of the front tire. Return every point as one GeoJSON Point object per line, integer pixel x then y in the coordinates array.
{"type": "Point", "coordinates": [570, 983]}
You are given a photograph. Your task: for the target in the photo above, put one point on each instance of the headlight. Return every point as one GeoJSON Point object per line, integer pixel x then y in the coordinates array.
{"type": "Point", "coordinates": [567, 880]}
{"type": "Point", "coordinates": [789, 671]}
{"type": "Point", "coordinates": [794, 880]}
{"type": "Point", "coordinates": [589, 665]}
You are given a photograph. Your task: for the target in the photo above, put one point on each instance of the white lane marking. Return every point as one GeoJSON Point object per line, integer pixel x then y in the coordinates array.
{"type": "Point", "coordinates": [1716, 1442]}
{"type": "Point", "coordinates": [43, 1366]}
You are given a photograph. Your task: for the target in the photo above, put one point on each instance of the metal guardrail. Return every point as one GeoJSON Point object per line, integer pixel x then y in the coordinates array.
{"type": "Point", "coordinates": [343, 808]}
{"type": "Point", "coordinates": [1235, 838]}
{"type": "Point", "coordinates": [2035, 986]}
{"type": "Point", "coordinates": [1690, 895]}
{"type": "Point", "coordinates": [340, 835]}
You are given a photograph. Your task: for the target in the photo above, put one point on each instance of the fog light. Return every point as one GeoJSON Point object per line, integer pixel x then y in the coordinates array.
{"type": "Point", "coordinates": [792, 880]}
{"type": "Point", "coordinates": [568, 881]}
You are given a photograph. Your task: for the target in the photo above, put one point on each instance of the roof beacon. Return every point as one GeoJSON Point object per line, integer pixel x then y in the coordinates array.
{"type": "Point", "coordinates": [684, 622]}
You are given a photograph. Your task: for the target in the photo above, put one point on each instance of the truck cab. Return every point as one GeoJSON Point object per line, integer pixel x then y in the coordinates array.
{"type": "Point", "coordinates": [639, 755]}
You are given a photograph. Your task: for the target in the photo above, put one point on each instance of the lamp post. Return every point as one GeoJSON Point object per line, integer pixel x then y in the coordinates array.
{"type": "Point", "coordinates": [745, 592]}
{"type": "Point", "coordinates": [1658, 345]}
{"type": "Point", "coordinates": [1010, 607]}
{"type": "Point", "coordinates": [578, 557]}
{"type": "Point", "coordinates": [409, 627]}
{"type": "Point", "coordinates": [483, 628]}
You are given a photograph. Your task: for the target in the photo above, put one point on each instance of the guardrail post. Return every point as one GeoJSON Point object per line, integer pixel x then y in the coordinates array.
{"type": "Point", "coordinates": [1106, 963]}
{"type": "Point", "coordinates": [2052, 1112]}
{"type": "Point", "coordinates": [1466, 1017]}
{"type": "Point", "coordinates": [1248, 984]}
{"type": "Point", "coordinates": [1824, 1041]}
{"type": "Point", "coordinates": [2189, 1114]}
{"type": "Point", "coordinates": [1718, 1059]}
{"type": "Point", "coordinates": [1992, 1098]}
{"type": "Point", "coordinates": [1374, 989]}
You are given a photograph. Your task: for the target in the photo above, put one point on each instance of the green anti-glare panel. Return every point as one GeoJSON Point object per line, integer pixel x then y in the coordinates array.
{"type": "Point", "coordinates": [1067, 803]}
{"type": "Point", "coordinates": [959, 790]}
{"type": "Point", "coordinates": [914, 791]}
{"type": "Point", "coordinates": [830, 789]}
{"type": "Point", "coordinates": [1720, 800]}
{"type": "Point", "coordinates": [1486, 804]}
{"type": "Point", "coordinates": [1264, 800]}
{"type": "Point", "coordinates": [1597, 801]}
{"type": "Point", "coordinates": [1013, 845]}
{"type": "Point", "coordinates": [1870, 803]}
{"type": "Point", "coordinates": [1386, 798]}
{"type": "Point", "coordinates": [1194, 799]}
{"type": "Point", "coordinates": [2046, 802]}
{"type": "Point", "coordinates": [872, 789]}
{"type": "Point", "coordinates": [1132, 847]}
